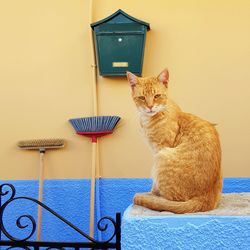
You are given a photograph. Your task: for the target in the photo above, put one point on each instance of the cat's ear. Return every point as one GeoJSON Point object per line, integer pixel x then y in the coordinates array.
{"type": "Point", "coordinates": [164, 77]}
{"type": "Point", "coordinates": [132, 79]}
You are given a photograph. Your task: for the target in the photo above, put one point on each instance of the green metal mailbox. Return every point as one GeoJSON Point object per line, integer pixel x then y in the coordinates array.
{"type": "Point", "coordinates": [119, 43]}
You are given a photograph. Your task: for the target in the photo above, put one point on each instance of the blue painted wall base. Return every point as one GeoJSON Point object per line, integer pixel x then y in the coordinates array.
{"type": "Point", "coordinates": [70, 198]}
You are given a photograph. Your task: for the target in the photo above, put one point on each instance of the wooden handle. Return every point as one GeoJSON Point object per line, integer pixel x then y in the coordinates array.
{"type": "Point", "coordinates": [93, 62]}
{"type": "Point", "coordinates": [95, 155]}
{"type": "Point", "coordinates": [40, 195]}
{"type": "Point", "coordinates": [92, 191]}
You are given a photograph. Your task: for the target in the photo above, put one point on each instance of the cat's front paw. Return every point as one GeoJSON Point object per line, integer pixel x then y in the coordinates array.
{"type": "Point", "coordinates": [137, 199]}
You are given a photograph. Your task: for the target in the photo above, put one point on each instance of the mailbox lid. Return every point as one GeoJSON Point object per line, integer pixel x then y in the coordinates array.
{"type": "Point", "coordinates": [110, 28]}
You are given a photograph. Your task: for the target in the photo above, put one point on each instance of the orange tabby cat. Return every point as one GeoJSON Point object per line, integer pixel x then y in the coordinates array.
{"type": "Point", "coordinates": [187, 171]}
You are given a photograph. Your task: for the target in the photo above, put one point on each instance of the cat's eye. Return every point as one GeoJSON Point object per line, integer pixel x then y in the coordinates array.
{"type": "Point", "coordinates": [157, 96]}
{"type": "Point", "coordinates": [142, 98]}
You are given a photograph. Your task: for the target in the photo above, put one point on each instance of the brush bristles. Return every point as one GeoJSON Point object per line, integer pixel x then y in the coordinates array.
{"type": "Point", "coordinates": [41, 143]}
{"type": "Point", "coordinates": [95, 123]}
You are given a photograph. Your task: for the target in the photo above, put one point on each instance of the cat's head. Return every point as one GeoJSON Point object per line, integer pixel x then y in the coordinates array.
{"type": "Point", "coordinates": [149, 93]}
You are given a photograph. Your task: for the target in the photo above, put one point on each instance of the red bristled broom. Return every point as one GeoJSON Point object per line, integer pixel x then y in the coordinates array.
{"type": "Point", "coordinates": [94, 127]}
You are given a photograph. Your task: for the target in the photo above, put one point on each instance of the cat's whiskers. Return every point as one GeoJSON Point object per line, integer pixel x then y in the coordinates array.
{"type": "Point", "coordinates": [152, 111]}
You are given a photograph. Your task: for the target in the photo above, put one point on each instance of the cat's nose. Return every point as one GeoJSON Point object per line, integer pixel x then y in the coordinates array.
{"type": "Point", "coordinates": [150, 107]}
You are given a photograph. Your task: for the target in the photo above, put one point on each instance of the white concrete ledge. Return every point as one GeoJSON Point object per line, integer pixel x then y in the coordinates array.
{"type": "Point", "coordinates": [227, 227]}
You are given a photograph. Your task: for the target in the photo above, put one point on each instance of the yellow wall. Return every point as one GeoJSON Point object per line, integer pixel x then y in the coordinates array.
{"type": "Point", "coordinates": [45, 78]}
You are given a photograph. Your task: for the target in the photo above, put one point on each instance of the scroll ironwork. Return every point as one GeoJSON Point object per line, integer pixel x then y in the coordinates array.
{"type": "Point", "coordinates": [27, 221]}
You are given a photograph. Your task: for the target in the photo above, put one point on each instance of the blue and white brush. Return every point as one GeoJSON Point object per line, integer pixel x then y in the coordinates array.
{"type": "Point", "coordinates": [95, 126]}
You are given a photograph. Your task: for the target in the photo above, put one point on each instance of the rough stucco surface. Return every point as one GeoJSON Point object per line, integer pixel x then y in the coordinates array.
{"type": "Point", "coordinates": [227, 227]}
{"type": "Point", "coordinates": [206, 233]}
{"type": "Point", "coordinates": [190, 231]}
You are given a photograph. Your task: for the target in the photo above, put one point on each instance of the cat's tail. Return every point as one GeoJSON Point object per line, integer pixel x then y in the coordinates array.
{"type": "Point", "coordinates": [159, 203]}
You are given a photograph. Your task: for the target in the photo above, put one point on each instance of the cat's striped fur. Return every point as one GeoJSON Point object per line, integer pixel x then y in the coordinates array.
{"type": "Point", "coordinates": [187, 155]}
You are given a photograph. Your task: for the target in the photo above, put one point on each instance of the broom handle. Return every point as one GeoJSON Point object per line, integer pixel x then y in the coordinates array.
{"type": "Point", "coordinates": [40, 194]}
{"type": "Point", "coordinates": [92, 190]}
{"type": "Point", "coordinates": [95, 109]}
{"type": "Point", "coordinates": [93, 64]}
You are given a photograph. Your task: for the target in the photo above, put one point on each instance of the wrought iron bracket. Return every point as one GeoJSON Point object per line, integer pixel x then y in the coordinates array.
{"type": "Point", "coordinates": [8, 190]}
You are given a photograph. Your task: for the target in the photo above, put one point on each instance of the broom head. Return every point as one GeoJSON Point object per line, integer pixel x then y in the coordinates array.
{"type": "Point", "coordinates": [95, 126]}
{"type": "Point", "coordinates": [41, 144]}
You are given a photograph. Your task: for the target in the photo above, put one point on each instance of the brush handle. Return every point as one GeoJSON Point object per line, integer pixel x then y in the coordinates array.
{"type": "Point", "coordinates": [40, 194]}
{"type": "Point", "coordinates": [97, 191]}
{"type": "Point", "coordinates": [93, 61]}
{"type": "Point", "coordinates": [95, 156]}
{"type": "Point", "coordinates": [92, 190]}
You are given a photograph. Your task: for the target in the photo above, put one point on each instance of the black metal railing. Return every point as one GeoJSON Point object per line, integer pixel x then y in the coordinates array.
{"type": "Point", "coordinates": [9, 192]}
